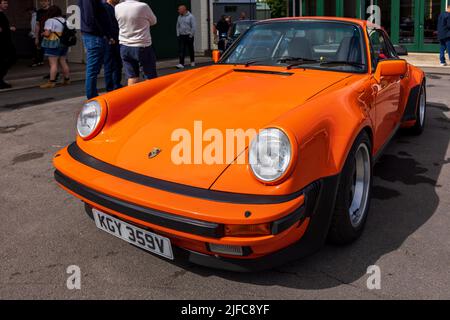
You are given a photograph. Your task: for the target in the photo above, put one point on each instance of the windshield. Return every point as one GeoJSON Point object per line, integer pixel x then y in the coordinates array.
{"type": "Point", "coordinates": [309, 44]}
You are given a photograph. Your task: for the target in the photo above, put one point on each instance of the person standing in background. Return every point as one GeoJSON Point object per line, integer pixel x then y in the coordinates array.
{"type": "Point", "coordinates": [229, 20]}
{"type": "Point", "coordinates": [243, 16]}
{"type": "Point", "coordinates": [185, 32]}
{"type": "Point", "coordinates": [95, 31]}
{"type": "Point", "coordinates": [444, 34]}
{"type": "Point", "coordinates": [41, 18]}
{"type": "Point", "coordinates": [221, 29]}
{"type": "Point", "coordinates": [33, 20]}
{"type": "Point", "coordinates": [54, 50]}
{"type": "Point", "coordinates": [135, 19]}
{"type": "Point", "coordinates": [113, 61]}
{"type": "Point", "coordinates": [31, 11]}
{"type": "Point", "coordinates": [7, 51]}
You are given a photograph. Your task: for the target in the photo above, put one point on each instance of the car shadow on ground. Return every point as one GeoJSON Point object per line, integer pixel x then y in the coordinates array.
{"type": "Point", "coordinates": [404, 199]}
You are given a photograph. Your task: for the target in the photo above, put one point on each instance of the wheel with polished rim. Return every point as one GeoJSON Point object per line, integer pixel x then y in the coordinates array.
{"type": "Point", "coordinates": [353, 195]}
{"type": "Point", "coordinates": [421, 112]}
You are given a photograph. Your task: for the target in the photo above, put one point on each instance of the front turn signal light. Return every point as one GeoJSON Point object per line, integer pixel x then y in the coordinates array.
{"type": "Point", "coordinates": [247, 230]}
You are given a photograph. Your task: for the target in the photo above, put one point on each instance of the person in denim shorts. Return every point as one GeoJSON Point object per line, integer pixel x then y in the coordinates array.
{"type": "Point", "coordinates": [53, 49]}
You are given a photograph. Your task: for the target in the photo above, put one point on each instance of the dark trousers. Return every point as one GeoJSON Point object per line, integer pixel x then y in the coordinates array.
{"type": "Point", "coordinates": [7, 60]}
{"type": "Point", "coordinates": [136, 58]}
{"type": "Point", "coordinates": [38, 54]}
{"type": "Point", "coordinates": [113, 68]}
{"type": "Point", "coordinates": [186, 42]}
{"type": "Point", "coordinates": [445, 46]}
{"type": "Point", "coordinates": [222, 41]}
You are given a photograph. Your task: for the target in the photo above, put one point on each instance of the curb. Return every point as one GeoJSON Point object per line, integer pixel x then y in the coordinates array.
{"type": "Point", "coordinates": [80, 76]}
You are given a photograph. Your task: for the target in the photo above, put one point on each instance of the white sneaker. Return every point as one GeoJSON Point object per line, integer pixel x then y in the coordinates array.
{"type": "Point", "coordinates": [179, 66]}
{"type": "Point", "coordinates": [443, 64]}
{"type": "Point", "coordinates": [192, 64]}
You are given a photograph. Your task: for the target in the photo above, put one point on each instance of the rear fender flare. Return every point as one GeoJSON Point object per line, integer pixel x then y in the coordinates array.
{"type": "Point", "coordinates": [417, 79]}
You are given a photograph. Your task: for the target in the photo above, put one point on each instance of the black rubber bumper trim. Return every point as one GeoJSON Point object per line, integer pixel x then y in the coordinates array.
{"type": "Point", "coordinates": [186, 190]}
{"type": "Point", "coordinates": [171, 221]}
{"type": "Point", "coordinates": [288, 221]}
{"type": "Point", "coordinates": [411, 104]}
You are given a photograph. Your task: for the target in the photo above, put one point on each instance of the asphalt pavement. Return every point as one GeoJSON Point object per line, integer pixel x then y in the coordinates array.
{"type": "Point", "coordinates": [44, 230]}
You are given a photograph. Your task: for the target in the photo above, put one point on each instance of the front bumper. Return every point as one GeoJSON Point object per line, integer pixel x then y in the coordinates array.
{"type": "Point", "coordinates": [311, 242]}
{"type": "Point", "coordinates": [299, 225]}
{"type": "Point", "coordinates": [160, 218]}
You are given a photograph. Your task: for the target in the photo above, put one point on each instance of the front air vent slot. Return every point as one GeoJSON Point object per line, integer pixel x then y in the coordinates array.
{"type": "Point", "coordinates": [277, 73]}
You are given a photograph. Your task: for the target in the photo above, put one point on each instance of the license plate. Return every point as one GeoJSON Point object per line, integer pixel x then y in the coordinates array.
{"type": "Point", "coordinates": [134, 235]}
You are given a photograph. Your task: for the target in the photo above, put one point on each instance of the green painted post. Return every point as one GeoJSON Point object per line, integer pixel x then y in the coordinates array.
{"type": "Point", "coordinates": [359, 14]}
{"type": "Point", "coordinates": [320, 8]}
{"type": "Point", "coordinates": [339, 8]}
{"type": "Point", "coordinates": [395, 21]}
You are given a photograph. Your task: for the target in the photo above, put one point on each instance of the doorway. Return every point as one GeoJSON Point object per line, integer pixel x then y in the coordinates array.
{"type": "Point", "coordinates": [414, 24]}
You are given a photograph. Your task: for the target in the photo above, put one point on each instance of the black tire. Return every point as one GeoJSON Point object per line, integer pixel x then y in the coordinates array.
{"type": "Point", "coordinates": [342, 230]}
{"type": "Point", "coordinates": [419, 126]}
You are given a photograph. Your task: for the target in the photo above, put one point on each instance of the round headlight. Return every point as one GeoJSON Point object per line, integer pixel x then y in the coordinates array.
{"type": "Point", "coordinates": [270, 155]}
{"type": "Point", "coordinates": [89, 118]}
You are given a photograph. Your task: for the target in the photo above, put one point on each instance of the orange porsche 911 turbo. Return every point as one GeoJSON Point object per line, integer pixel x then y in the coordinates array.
{"type": "Point", "coordinates": [255, 160]}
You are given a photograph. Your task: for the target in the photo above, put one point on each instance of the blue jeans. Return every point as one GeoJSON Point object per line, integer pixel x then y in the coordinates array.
{"type": "Point", "coordinates": [95, 54]}
{"type": "Point", "coordinates": [113, 68]}
{"type": "Point", "coordinates": [445, 45]}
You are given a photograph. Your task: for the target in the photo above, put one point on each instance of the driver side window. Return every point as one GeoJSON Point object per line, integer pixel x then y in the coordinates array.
{"type": "Point", "coordinates": [379, 47]}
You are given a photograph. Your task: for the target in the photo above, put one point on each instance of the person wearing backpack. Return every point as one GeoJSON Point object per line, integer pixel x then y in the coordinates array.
{"type": "Point", "coordinates": [54, 49]}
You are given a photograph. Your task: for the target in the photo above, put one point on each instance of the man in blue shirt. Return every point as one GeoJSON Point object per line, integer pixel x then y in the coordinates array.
{"type": "Point", "coordinates": [113, 61]}
{"type": "Point", "coordinates": [444, 34]}
{"type": "Point", "coordinates": [96, 33]}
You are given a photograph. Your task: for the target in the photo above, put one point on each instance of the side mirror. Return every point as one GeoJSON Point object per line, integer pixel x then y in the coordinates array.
{"type": "Point", "coordinates": [390, 68]}
{"type": "Point", "coordinates": [401, 50]}
{"type": "Point", "coordinates": [216, 56]}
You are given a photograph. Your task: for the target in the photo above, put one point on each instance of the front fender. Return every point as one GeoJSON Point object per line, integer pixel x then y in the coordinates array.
{"type": "Point", "coordinates": [325, 128]}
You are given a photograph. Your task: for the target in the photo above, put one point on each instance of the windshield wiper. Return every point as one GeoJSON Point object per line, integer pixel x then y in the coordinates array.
{"type": "Point", "coordinates": [339, 62]}
{"type": "Point", "coordinates": [296, 61]}
{"type": "Point", "coordinates": [250, 62]}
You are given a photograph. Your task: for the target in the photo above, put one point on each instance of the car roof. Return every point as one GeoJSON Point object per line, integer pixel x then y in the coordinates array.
{"type": "Point", "coordinates": [360, 22]}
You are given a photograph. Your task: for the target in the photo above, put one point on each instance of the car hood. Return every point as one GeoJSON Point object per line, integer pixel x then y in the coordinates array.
{"type": "Point", "coordinates": [221, 97]}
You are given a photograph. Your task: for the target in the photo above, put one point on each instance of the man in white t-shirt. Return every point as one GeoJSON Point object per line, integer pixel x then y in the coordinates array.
{"type": "Point", "coordinates": [135, 19]}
